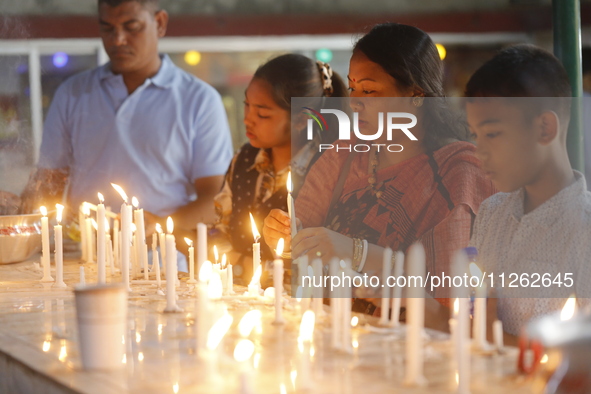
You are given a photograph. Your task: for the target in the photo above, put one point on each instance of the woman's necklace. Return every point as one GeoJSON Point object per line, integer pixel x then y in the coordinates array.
{"type": "Point", "coordinates": [373, 179]}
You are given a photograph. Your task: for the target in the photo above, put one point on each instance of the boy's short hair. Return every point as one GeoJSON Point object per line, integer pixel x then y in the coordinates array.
{"type": "Point", "coordinates": [154, 4]}
{"type": "Point", "coordinates": [524, 71]}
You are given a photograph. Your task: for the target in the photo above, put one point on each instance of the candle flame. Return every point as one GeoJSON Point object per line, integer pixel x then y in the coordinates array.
{"type": "Point", "coordinates": [215, 288]}
{"type": "Point", "coordinates": [205, 271]}
{"type": "Point", "coordinates": [475, 270]}
{"type": "Point", "coordinates": [457, 306]}
{"type": "Point", "coordinates": [43, 210]}
{"type": "Point", "coordinates": [249, 322]}
{"type": "Point", "coordinates": [280, 246]}
{"type": "Point", "coordinates": [158, 228]}
{"type": "Point", "coordinates": [169, 225]}
{"type": "Point", "coordinates": [544, 359]}
{"type": "Point", "coordinates": [257, 276]}
{"type": "Point", "coordinates": [188, 241]}
{"type": "Point", "coordinates": [218, 331]}
{"type": "Point", "coordinates": [243, 350]}
{"type": "Point", "coordinates": [224, 261]}
{"type": "Point", "coordinates": [354, 321]}
{"type": "Point", "coordinates": [95, 225]}
{"type": "Point", "coordinates": [85, 209]}
{"type": "Point", "coordinates": [569, 308]}
{"type": "Point", "coordinates": [60, 210]}
{"type": "Point", "coordinates": [135, 202]}
{"type": "Point", "coordinates": [215, 253]}
{"type": "Point", "coordinates": [255, 230]}
{"type": "Point", "coordinates": [307, 326]}
{"type": "Point", "coordinates": [289, 184]}
{"type": "Point", "coordinates": [120, 191]}
{"type": "Point", "coordinates": [100, 197]}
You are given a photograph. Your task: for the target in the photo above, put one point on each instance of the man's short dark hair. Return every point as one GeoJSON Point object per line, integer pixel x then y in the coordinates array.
{"type": "Point", "coordinates": [145, 3]}
{"type": "Point", "coordinates": [524, 71]}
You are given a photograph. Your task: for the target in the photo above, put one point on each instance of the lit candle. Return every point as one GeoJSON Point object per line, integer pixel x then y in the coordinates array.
{"type": "Point", "coordinates": [171, 269]}
{"type": "Point", "coordinates": [291, 206]}
{"type": "Point", "coordinates": [256, 247]}
{"type": "Point", "coordinates": [140, 237]}
{"type": "Point", "coordinates": [386, 272]}
{"type": "Point", "coordinates": [201, 245]}
{"type": "Point", "coordinates": [191, 261]}
{"type": "Point", "coordinates": [304, 381]}
{"type": "Point", "coordinates": [462, 325]}
{"type": "Point", "coordinates": [224, 272]}
{"type": "Point", "coordinates": [59, 249]}
{"type": "Point", "coordinates": [416, 318]}
{"type": "Point", "coordinates": [242, 353]}
{"type": "Point", "coordinates": [82, 227]}
{"type": "Point", "coordinates": [125, 235]}
{"type": "Point", "coordinates": [278, 283]}
{"type": "Point", "coordinates": [397, 296]}
{"type": "Point", "coordinates": [318, 287]}
{"type": "Point", "coordinates": [155, 262]}
{"type": "Point", "coordinates": [45, 259]}
{"type": "Point", "coordinates": [162, 239]}
{"type": "Point", "coordinates": [479, 320]}
{"type": "Point", "coordinates": [100, 240]}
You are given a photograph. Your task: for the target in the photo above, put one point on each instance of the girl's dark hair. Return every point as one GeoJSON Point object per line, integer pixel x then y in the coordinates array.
{"type": "Point", "coordinates": [294, 75]}
{"type": "Point", "coordinates": [409, 55]}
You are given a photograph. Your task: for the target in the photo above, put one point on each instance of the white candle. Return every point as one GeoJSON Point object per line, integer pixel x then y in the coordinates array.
{"type": "Point", "coordinates": [140, 236]}
{"type": "Point", "coordinates": [336, 307]}
{"type": "Point", "coordinates": [59, 249]}
{"type": "Point", "coordinates": [304, 381]}
{"type": "Point", "coordinates": [82, 227]}
{"type": "Point", "coordinates": [125, 236]}
{"type": "Point", "coordinates": [479, 321]}
{"type": "Point", "coordinates": [416, 318]}
{"type": "Point", "coordinates": [201, 245]}
{"type": "Point", "coordinates": [291, 206]}
{"type": "Point", "coordinates": [100, 240]}
{"type": "Point", "coordinates": [254, 288]}
{"type": "Point", "coordinates": [155, 262]}
{"type": "Point", "coordinates": [386, 272]}
{"type": "Point", "coordinates": [462, 333]}
{"type": "Point", "coordinates": [110, 258]}
{"type": "Point", "coordinates": [45, 259]}
{"type": "Point", "coordinates": [230, 285]}
{"type": "Point", "coordinates": [162, 241]}
{"type": "Point", "coordinates": [133, 252]}
{"type": "Point", "coordinates": [116, 256]}
{"type": "Point", "coordinates": [224, 273]}
{"type": "Point", "coordinates": [82, 278]}
{"type": "Point", "coordinates": [90, 245]}
{"type": "Point", "coordinates": [171, 269]}
{"type": "Point", "coordinates": [317, 290]}
{"type": "Point", "coordinates": [256, 247]}
{"type": "Point", "coordinates": [397, 297]}
{"type": "Point", "coordinates": [498, 335]}
{"type": "Point", "coordinates": [191, 261]}
{"type": "Point", "coordinates": [278, 283]}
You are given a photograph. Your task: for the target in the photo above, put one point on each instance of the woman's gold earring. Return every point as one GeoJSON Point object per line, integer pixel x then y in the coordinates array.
{"type": "Point", "coordinates": [417, 101]}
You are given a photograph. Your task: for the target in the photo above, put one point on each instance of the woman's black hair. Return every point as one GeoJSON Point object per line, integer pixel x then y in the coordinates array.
{"type": "Point", "coordinates": [409, 55]}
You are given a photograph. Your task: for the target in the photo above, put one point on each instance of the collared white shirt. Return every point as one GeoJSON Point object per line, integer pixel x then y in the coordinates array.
{"type": "Point", "coordinates": [553, 242]}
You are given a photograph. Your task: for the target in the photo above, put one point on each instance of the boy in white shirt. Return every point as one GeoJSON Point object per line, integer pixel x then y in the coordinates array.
{"type": "Point", "coordinates": [534, 234]}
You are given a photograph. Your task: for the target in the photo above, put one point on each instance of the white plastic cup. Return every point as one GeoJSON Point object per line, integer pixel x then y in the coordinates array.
{"type": "Point", "coordinates": [101, 313]}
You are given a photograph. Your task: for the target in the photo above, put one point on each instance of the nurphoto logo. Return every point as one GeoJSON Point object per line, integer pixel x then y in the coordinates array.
{"type": "Point", "coordinates": [392, 124]}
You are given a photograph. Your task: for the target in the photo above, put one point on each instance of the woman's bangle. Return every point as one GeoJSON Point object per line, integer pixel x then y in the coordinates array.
{"type": "Point", "coordinates": [364, 257]}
